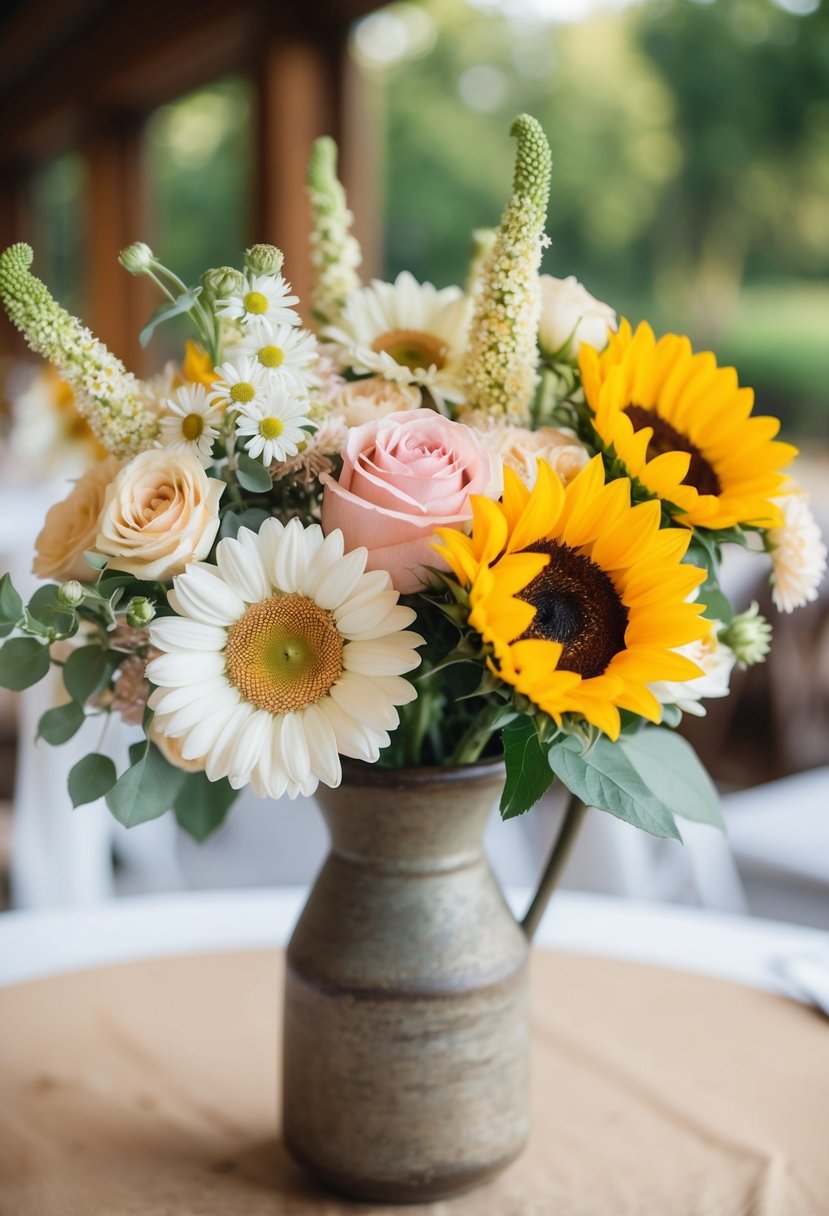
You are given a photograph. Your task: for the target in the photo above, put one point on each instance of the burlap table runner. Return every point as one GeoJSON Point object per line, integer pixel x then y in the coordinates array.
{"type": "Point", "coordinates": [150, 1088]}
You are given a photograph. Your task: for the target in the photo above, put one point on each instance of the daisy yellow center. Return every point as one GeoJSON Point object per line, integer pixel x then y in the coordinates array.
{"type": "Point", "coordinates": [271, 356]}
{"type": "Point", "coordinates": [284, 653]}
{"type": "Point", "coordinates": [412, 348]}
{"type": "Point", "coordinates": [577, 605]}
{"type": "Point", "coordinates": [192, 427]}
{"type": "Point", "coordinates": [255, 302]}
{"type": "Point", "coordinates": [667, 438]}
{"type": "Point", "coordinates": [242, 392]}
{"type": "Point", "coordinates": [271, 428]}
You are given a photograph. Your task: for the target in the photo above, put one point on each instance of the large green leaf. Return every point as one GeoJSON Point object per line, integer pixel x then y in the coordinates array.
{"type": "Point", "coordinates": [529, 774]}
{"type": "Point", "coordinates": [11, 605]}
{"type": "Point", "coordinates": [23, 661]}
{"type": "Point", "coordinates": [671, 769]}
{"type": "Point", "coordinates": [59, 724]}
{"type": "Point", "coordinates": [146, 790]}
{"type": "Point", "coordinates": [85, 671]}
{"type": "Point", "coordinates": [252, 475]}
{"type": "Point", "coordinates": [606, 778]}
{"type": "Point", "coordinates": [232, 521]}
{"type": "Point", "coordinates": [91, 778]}
{"type": "Point", "coordinates": [47, 611]}
{"type": "Point", "coordinates": [202, 805]}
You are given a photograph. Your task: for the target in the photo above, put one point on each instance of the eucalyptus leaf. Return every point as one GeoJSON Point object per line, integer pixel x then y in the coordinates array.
{"type": "Point", "coordinates": [11, 605]}
{"type": "Point", "coordinates": [47, 610]}
{"type": "Point", "coordinates": [673, 772]}
{"type": "Point", "coordinates": [529, 774]}
{"type": "Point", "coordinates": [146, 790]}
{"type": "Point", "coordinates": [59, 724]}
{"type": "Point", "coordinates": [202, 805]}
{"type": "Point", "coordinates": [232, 521]}
{"type": "Point", "coordinates": [23, 661]}
{"type": "Point", "coordinates": [91, 778]}
{"type": "Point", "coordinates": [165, 312]}
{"type": "Point", "coordinates": [96, 560]}
{"type": "Point", "coordinates": [252, 475]}
{"type": "Point", "coordinates": [606, 778]}
{"type": "Point", "coordinates": [87, 670]}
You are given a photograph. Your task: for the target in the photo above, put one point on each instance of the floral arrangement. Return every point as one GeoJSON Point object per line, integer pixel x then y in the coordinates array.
{"type": "Point", "coordinates": [431, 526]}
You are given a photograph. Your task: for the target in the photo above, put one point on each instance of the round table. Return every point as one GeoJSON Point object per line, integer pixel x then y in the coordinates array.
{"type": "Point", "coordinates": [150, 1087]}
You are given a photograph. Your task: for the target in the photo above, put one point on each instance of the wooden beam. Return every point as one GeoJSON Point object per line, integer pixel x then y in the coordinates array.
{"type": "Point", "coordinates": [16, 224]}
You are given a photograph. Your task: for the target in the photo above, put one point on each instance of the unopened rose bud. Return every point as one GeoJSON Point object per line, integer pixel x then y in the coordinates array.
{"type": "Point", "coordinates": [136, 258]}
{"type": "Point", "coordinates": [140, 611]}
{"type": "Point", "coordinates": [222, 282]}
{"type": "Point", "coordinates": [264, 259]}
{"type": "Point", "coordinates": [71, 594]}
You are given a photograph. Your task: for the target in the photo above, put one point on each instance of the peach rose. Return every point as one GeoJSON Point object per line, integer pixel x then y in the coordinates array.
{"type": "Point", "coordinates": [403, 476]}
{"type": "Point", "coordinates": [368, 400]}
{"type": "Point", "coordinates": [71, 526]}
{"type": "Point", "coordinates": [521, 450]}
{"type": "Point", "coordinates": [160, 514]}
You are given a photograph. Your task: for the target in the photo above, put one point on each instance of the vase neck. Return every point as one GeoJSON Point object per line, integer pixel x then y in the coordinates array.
{"type": "Point", "coordinates": [418, 820]}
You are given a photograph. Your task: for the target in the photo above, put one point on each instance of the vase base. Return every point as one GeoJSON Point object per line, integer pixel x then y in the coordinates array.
{"type": "Point", "coordinates": [416, 1188]}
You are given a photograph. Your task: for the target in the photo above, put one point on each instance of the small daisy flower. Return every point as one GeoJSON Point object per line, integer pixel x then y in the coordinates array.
{"type": "Point", "coordinates": [190, 422]}
{"type": "Point", "coordinates": [238, 383]}
{"type": "Point", "coordinates": [284, 352]}
{"type": "Point", "coordinates": [273, 427]}
{"type": "Point", "coordinates": [264, 297]}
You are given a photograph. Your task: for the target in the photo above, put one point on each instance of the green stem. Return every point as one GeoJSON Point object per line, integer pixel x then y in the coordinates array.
{"type": "Point", "coordinates": [475, 738]}
{"type": "Point", "coordinates": [573, 816]}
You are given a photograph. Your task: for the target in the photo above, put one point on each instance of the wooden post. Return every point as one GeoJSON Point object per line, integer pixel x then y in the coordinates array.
{"type": "Point", "coordinates": [15, 225]}
{"type": "Point", "coordinates": [117, 305]}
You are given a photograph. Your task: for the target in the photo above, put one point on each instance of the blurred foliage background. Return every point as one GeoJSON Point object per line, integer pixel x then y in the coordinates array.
{"type": "Point", "coordinates": [691, 164]}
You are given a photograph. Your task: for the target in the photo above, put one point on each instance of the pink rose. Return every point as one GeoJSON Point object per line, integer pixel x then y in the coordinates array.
{"type": "Point", "coordinates": [403, 476]}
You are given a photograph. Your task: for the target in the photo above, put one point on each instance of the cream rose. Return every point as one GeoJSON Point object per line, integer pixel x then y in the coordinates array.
{"type": "Point", "coordinates": [570, 313]}
{"type": "Point", "coordinates": [368, 400]}
{"type": "Point", "coordinates": [71, 526]}
{"type": "Point", "coordinates": [521, 450]}
{"type": "Point", "coordinates": [160, 514]}
{"type": "Point", "coordinates": [403, 476]}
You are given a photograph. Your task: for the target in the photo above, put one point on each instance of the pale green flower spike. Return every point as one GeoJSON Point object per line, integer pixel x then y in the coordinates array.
{"type": "Point", "coordinates": [335, 253]}
{"type": "Point", "coordinates": [501, 362]}
{"type": "Point", "coordinates": [483, 240]}
{"type": "Point", "coordinates": [106, 394]}
{"type": "Point", "coordinates": [749, 635]}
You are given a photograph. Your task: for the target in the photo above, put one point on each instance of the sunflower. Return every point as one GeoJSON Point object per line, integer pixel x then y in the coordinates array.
{"type": "Point", "coordinates": [282, 657]}
{"type": "Point", "coordinates": [581, 597]}
{"type": "Point", "coordinates": [406, 332]}
{"type": "Point", "coordinates": [682, 427]}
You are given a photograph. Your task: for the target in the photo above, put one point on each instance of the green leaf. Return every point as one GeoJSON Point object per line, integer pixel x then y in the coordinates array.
{"type": "Point", "coordinates": [46, 610]}
{"type": "Point", "coordinates": [201, 805]}
{"type": "Point", "coordinates": [528, 771]}
{"type": "Point", "coordinates": [232, 521]}
{"type": "Point", "coordinates": [86, 671]}
{"type": "Point", "coordinates": [671, 769]}
{"type": "Point", "coordinates": [252, 475]}
{"type": "Point", "coordinates": [91, 778]}
{"type": "Point", "coordinates": [96, 560]}
{"type": "Point", "coordinates": [606, 778]}
{"type": "Point", "coordinates": [166, 312]}
{"type": "Point", "coordinates": [58, 725]}
{"type": "Point", "coordinates": [146, 790]}
{"type": "Point", "coordinates": [11, 605]}
{"type": "Point", "coordinates": [23, 661]}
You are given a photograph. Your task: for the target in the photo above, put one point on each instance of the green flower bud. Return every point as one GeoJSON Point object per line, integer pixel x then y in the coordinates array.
{"type": "Point", "coordinates": [264, 259]}
{"type": "Point", "coordinates": [222, 282]}
{"type": "Point", "coordinates": [140, 611]}
{"type": "Point", "coordinates": [71, 594]}
{"type": "Point", "coordinates": [136, 258]}
{"type": "Point", "coordinates": [749, 636]}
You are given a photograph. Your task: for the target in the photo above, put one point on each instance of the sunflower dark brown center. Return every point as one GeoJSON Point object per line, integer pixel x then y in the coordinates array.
{"type": "Point", "coordinates": [667, 438]}
{"type": "Point", "coordinates": [577, 605]}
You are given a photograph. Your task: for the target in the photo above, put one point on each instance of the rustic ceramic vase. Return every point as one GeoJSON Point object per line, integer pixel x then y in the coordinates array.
{"type": "Point", "coordinates": [406, 1007]}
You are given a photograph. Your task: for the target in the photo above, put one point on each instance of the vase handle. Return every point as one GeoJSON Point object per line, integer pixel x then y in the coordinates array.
{"type": "Point", "coordinates": [562, 845]}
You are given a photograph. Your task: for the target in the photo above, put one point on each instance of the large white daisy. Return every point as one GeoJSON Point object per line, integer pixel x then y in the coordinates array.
{"type": "Point", "coordinates": [284, 656]}
{"type": "Point", "coordinates": [264, 297]}
{"type": "Point", "coordinates": [273, 427]}
{"type": "Point", "coordinates": [408, 332]}
{"type": "Point", "coordinates": [190, 422]}
{"type": "Point", "coordinates": [284, 353]}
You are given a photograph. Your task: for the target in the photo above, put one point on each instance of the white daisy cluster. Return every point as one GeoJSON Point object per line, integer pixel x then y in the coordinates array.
{"type": "Point", "coordinates": [264, 385]}
{"type": "Point", "coordinates": [335, 253]}
{"type": "Point", "coordinates": [282, 657]}
{"type": "Point", "coordinates": [106, 394]}
{"type": "Point", "coordinates": [500, 368]}
{"type": "Point", "coordinates": [798, 553]}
